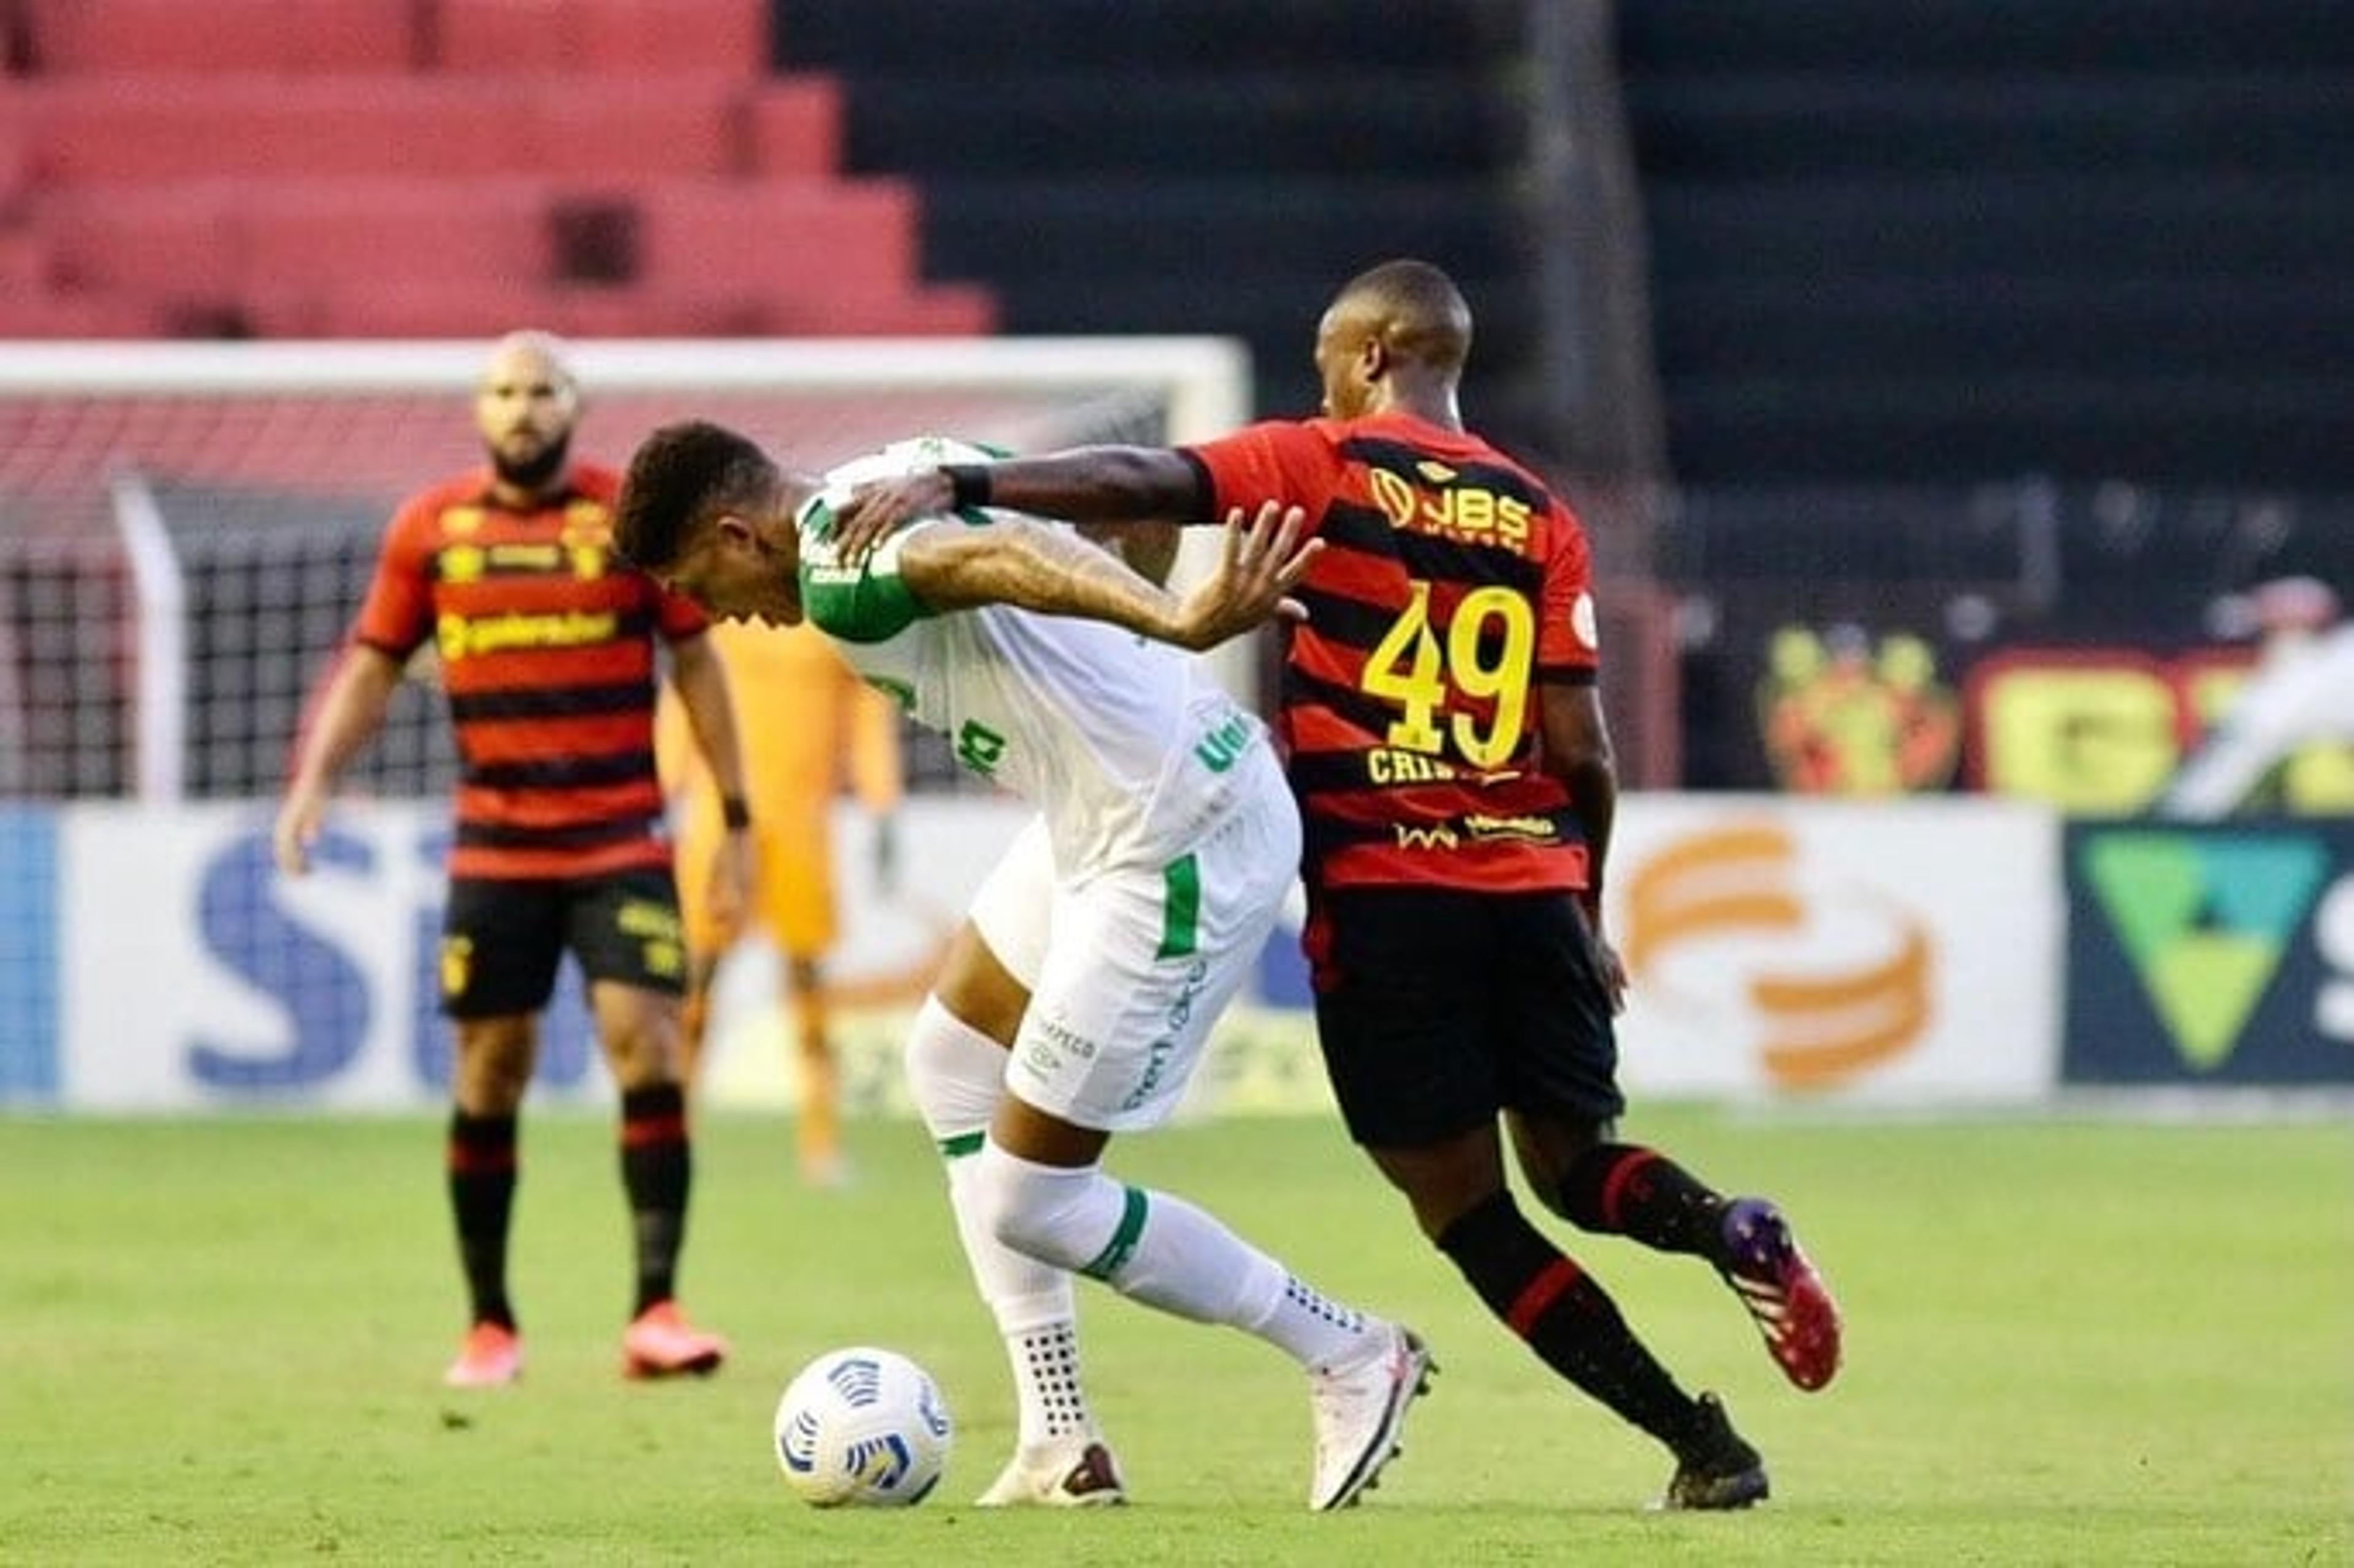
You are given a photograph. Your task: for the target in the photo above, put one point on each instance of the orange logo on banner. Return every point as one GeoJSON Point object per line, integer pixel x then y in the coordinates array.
{"type": "Point", "coordinates": [1818, 1030]}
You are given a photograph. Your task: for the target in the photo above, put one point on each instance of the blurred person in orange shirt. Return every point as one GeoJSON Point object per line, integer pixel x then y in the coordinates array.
{"type": "Point", "coordinates": [819, 728]}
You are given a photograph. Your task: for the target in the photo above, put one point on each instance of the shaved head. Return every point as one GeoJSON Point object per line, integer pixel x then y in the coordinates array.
{"type": "Point", "coordinates": [527, 406]}
{"type": "Point", "coordinates": [1393, 340]}
{"type": "Point", "coordinates": [530, 355]}
{"type": "Point", "coordinates": [1413, 308]}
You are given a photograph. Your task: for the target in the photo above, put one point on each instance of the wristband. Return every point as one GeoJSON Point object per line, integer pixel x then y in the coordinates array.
{"type": "Point", "coordinates": [967, 483]}
{"type": "Point", "coordinates": [734, 814]}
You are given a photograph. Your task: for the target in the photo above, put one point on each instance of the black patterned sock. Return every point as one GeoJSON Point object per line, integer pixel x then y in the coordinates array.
{"type": "Point", "coordinates": [1620, 1189]}
{"type": "Point", "coordinates": [1565, 1317]}
{"type": "Point", "coordinates": [481, 1159]}
{"type": "Point", "coordinates": [657, 1168]}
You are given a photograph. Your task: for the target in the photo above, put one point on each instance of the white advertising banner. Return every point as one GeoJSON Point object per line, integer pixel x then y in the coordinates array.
{"type": "Point", "coordinates": [1908, 951]}
{"type": "Point", "coordinates": [1777, 949]}
{"type": "Point", "coordinates": [195, 976]}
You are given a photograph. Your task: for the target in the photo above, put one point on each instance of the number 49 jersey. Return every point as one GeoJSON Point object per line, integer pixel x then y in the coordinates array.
{"type": "Point", "coordinates": [1452, 585]}
{"type": "Point", "coordinates": [1127, 746]}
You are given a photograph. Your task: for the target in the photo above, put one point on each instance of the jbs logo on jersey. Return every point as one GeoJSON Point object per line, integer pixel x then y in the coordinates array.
{"type": "Point", "coordinates": [1471, 513]}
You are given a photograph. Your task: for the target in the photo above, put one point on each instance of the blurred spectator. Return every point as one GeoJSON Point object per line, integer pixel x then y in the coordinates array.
{"type": "Point", "coordinates": [2300, 697]}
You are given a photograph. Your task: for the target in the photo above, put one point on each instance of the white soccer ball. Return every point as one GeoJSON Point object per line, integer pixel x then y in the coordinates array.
{"type": "Point", "coordinates": [862, 1427]}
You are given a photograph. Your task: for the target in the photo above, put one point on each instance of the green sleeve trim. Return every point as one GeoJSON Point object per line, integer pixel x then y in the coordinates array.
{"type": "Point", "coordinates": [869, 605]}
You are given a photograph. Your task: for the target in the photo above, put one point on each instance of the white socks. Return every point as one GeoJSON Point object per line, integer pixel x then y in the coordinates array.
{"type": "Point", "coordinates": [1026, 1228]}
{"type": "Point", "coordinates": [1163, 1251]}
{"type": "Point", "coordinates": [957, 1074]}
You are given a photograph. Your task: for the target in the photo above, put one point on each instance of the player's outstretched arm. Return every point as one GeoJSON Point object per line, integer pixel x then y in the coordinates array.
{"type": "Point", "coordinates": [1029, 566]}
{"type": "Point", "coordinates": [1085, 484]}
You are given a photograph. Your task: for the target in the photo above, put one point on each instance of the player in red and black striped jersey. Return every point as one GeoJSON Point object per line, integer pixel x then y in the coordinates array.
{"type": "Point", "coordinates": [1445, 740]}
{"type": "Point", "coordinates": [546, 648]}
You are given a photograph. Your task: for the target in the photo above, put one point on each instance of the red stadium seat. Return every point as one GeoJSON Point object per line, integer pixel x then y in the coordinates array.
{"type": "Point", "coordinates": [16, 166]}
{"type": "Point", "coordinates": [938, 310]}
{"type": "Point", "coordinates": [24, 263]}
{"type": "Point", "coordinates": [790, 238]}
{"type": "Point", "coordinates": [63, 314]}
{"type": "Point", "coordinates": [613, 128]}
{"type": "Point", "coordinates": [187, 128]}
{"type": "Point", "coordinates": [327, 307]}
{"type": "Point", "coordinates": [370, 232]}
{"type": "Point", "coordinates": [795, 127]}
{"type": "Point", "coordinates": [172, 244]}
{"type": "Point", "coordinates": [91, 36]}
{"type": "Point", "coordinates": [458, 308]}
{"type": "Point", "coordinates": [601, 38]}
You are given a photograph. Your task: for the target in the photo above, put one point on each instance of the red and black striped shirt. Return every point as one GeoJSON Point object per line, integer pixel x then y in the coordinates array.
{"type": "Point", "coordinates": [1452, 584]}
{"type": "Point", "coordinates": [547, 651]}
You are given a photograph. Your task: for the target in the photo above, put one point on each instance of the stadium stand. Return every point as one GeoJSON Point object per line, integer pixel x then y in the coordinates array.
{"type": "Point", "coordinates": [1943, 241]}
{"type": "Point", "coordinates": [388, 167]}
{"type": "Point", "coordinates": [1284, 146]}
{"type": "Point", "coordinates": [604, 38]}
{"type": "Point", "coordinates": [112, 37]}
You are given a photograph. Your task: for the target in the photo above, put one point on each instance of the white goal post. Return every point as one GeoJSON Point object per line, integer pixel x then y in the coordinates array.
{"type": "Point", "coordinates": [220, 503]}
{"type": "Point", "coordinates": [1204, 381]}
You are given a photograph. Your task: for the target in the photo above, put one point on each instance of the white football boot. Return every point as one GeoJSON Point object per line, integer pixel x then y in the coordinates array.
{"type": "Point", "coordinates": [1360, 1408]}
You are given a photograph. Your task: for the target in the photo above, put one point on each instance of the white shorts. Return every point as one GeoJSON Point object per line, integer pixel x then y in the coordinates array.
{"type": "Point", "coordinates": [1141, 961]}
{"type": "Point", "coordinates": [1014, 909]}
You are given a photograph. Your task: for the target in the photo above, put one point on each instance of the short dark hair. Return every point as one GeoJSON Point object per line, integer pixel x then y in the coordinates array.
{"type": "Point", "coordinates": [1429, 317]}
{"type": "Point", "coordinates": [679, 479]}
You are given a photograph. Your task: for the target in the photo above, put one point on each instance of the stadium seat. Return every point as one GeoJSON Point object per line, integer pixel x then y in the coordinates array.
{"type": "Point", "coordinates": [789, 238]}
{"type": "Point", "coordinates": [365, 233]}
{"type": "Point", "coordinates": [15, 168]}
{"type": "Point", "coordinates": [89, 36]}
{"type": "Point", "coordinates": [795, 127]}
{"type": "Point", "coordinates": [189, 127]}
{"type": "Point", "coordinates": [172, 244]}
{"type": "Point", "coordinates": [600, 37]}
{"type": "Point", "coordinates": [24, 263]}
{"type": "Point", "coordinates": [67, 313]}
{"type": "Point", "coordinates": [935, 310]}
{"type": "Point", "coordinates": [616, 129]}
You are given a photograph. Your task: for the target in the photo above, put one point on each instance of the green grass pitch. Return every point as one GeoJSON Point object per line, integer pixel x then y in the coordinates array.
{"type": "Point", "coordinates": [2070, 1341]}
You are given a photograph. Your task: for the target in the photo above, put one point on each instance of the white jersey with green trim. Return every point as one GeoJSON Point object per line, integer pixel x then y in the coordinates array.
{"type": "Point", "coordinates": [1127, 746]}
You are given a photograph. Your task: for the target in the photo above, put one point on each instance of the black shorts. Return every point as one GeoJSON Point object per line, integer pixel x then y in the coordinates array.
{"type": "Point", "coordinates": [502, 939]}
{"type": "Point", "coordinates": [1437, 1008]}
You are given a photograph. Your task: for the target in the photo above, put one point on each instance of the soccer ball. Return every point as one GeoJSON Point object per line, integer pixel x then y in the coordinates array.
{"type": "Point", "coordinates": [864, 1428]}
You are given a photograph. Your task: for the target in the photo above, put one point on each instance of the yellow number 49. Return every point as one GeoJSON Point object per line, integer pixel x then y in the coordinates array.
{"type": "Point", "coordinates": [1490, 640]}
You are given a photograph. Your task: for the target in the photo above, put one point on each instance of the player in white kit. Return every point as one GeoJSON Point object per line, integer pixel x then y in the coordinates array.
{"type": "Point", "coordinates": [1057, 672]}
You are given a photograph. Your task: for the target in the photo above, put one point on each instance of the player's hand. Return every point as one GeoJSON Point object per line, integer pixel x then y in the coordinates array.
{"type": "Point", "coordinates": [296, 829]}
{"type": "Point", "coordinates": [734, 868]}
{"type": "Point", "coordinates": [874, 509]}
{"type": "Point", "coordinates": [1263, 562]}
{"type": "Point", "coordinates": [1607, 964]}
{"type": "Point", "coordinates": [1614, 974]}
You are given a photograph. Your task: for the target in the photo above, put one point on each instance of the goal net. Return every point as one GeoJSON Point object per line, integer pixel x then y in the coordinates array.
{"type": "Point", "coordinates": [186, 530]}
